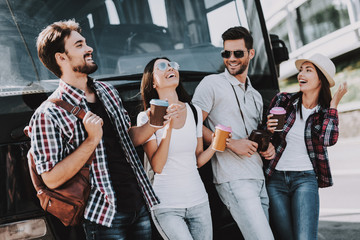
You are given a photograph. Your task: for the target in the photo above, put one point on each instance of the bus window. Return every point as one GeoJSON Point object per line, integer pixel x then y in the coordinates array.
{"type": "Point", "coordinates": [16, 69]}
{"type": "Point", "coordinates": [126, 34]}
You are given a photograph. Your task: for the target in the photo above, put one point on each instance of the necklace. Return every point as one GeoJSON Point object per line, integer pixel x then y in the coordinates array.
{"type": "Point", "coordinates": [310, 106]}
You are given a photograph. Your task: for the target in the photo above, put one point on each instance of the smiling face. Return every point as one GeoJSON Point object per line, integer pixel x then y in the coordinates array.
{"type": "Point", "coordinates": [237, 66]}
{"type": "Point", "coordinates": [169, 78]}
{"type": "Point", "coordinates": [308, 78]}
{"type": "Point", "coordinates": [79, 55]}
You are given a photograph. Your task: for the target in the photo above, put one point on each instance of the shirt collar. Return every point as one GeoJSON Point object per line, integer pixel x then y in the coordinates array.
{"type": "Point", "coordinates": [234, 81]}
{"type": "Point", "coordinates": [75, 94]}
{"type": "Point", "coordinates": [317, 108]}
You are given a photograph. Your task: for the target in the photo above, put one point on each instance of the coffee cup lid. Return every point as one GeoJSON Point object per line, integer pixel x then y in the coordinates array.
{"type": "Point", "coordinates": [277, 110]}
{"type": "Point", "coordinates": [224, 128]}
{"type": "Point", "coordinates": [159, 102]}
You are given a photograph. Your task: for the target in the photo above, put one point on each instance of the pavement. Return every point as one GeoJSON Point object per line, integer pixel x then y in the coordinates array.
{"type": "Point", "coordinates": [339, 204]}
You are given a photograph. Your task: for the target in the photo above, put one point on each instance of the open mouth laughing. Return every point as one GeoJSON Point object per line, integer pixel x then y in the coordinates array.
{"type": "Point", "coordinates": [171, 75]}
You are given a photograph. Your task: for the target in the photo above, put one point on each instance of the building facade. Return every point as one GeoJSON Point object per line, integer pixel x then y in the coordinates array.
{"type": "Point", "coordinates": [330, 27]}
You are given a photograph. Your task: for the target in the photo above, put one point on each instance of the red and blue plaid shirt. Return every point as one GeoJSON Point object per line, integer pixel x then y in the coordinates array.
{"type": "Point", "coordinates": [56, 133]}
{"type": "Point", "coordinates": [321, 131]}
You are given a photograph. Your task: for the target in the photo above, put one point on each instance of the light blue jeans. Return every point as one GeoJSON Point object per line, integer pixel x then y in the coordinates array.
{"type": "Point", "coordinates": [294, 205]}
{"type": "Point", "coordinates": [184, 223]}
{"type": "Point", "coordinates": [248, 204]}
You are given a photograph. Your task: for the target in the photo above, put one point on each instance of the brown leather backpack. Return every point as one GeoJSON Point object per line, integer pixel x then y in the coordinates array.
{"type": "Point", "coordinates": [68, 201]}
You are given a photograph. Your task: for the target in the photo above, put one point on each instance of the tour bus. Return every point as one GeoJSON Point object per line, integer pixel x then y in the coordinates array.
{"type": "Point", "coordinates": [125, 35]}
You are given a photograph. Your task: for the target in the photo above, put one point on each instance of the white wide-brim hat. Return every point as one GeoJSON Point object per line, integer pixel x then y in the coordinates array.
{"type": "Point", "coordinates": [324, 63]}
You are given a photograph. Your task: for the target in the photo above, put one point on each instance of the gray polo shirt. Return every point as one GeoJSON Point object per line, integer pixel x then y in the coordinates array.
{"type": "Point", "coordinates": [216, 96]}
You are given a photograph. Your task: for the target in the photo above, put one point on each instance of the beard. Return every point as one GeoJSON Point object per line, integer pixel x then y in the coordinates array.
{"type": "Point", "coordinates": [86, 68]}
{"type": "Point", "coordinates": [242, 69]}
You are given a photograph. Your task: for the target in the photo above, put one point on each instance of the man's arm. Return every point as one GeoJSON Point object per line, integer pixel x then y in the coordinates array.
{"type": "Point", "coordinates": [69, 166]}
{"type": "Point", "coordinates": [139, 135]}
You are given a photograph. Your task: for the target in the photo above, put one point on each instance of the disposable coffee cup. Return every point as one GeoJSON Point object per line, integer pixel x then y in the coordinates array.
{"type": "Point", "coordinates": [262, 138]}
{"type": "Point", "coordinates": [278, 113]}
{"type": "Point", "coordinates": [157, 112]}
{"type": "Point", "coordinates": [221, 134]}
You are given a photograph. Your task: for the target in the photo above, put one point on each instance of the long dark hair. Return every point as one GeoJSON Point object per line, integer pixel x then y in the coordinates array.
{"type": "Point", "coordinates": [147, 82]}
{"type": "Point", "coordinates": [324, 94]}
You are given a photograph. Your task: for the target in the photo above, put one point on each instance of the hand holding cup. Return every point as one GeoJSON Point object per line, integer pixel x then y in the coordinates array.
{"type": "Point", "coordinates": [221, 134]}
{"type": "Point", "coordinates": [157, 112]}
{"type": "Point", "coordinates": [276, 119]}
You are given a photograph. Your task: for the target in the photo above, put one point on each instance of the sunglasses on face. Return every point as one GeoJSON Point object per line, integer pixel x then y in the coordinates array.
{"type": "Point", "coordinates": [237, 53]}
{"type": "Point", "coordinates": [162, 66]}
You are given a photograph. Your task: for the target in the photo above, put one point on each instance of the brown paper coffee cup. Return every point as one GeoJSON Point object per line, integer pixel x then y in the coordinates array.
{"type": "Point", "coordinates": [221, 134]}
{"type": "Point", "coordinates": [281, 121]}
{"type": "Point", "coordinates": [157, 112]}
{"type": "Point", "coordinates": [278, 113]}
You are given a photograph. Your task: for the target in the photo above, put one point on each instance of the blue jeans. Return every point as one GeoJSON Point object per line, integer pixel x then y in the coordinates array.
{"type": "Point", "coordinates": [184, 223]}
{"type": "Point", "coordinates": [126, 225]}
{"type": "Point", "coordinates": [248, 204]}
{"type": "Point", "coordinates": [294, 205]}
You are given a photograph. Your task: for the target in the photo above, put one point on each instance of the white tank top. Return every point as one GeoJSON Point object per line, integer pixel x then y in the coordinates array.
{"type": "Point", "coordinates": [179, 185]}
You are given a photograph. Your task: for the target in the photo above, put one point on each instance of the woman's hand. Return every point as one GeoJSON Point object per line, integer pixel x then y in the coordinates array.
{"type": "Point", "coordinates": [212, 140]}
{"type": "Point", "coordinates": [269, 153]}
{"type": "Point", "coordinates": [271, 123]}
{"type": "Point", "coordinates": [166, 121]}
{"type": "Point", "coordinates": [342, 90]}
{"type": "Point", "coordinates": [172, 112]}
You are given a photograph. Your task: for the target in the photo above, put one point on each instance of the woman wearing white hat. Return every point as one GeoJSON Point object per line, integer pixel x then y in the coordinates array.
{"type": "Point", "coordinates": [301, 163]}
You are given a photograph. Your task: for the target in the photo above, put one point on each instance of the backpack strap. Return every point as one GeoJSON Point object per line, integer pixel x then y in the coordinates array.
{"type": "Point", "coordinates": [76, 110]}
{"type": "Point", "coordinates": [194, 112]}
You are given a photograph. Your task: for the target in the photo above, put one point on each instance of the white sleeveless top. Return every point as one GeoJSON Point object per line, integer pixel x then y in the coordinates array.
{"type": "Point", "coordinates": [179, 185]}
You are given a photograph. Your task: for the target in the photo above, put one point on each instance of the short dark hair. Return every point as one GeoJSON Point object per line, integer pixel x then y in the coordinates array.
{"type": "Point", "coordinates": [239, 32]}
{"type": "Point", "coordinates": [51, 41]}
{"type": "Point", "coordinates": [147, 90]}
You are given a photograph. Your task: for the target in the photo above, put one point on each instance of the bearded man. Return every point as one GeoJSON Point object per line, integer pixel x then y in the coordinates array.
{"type": "Point", "coordinates": [229, 99]}
{"type": "Point", "coordinates": [121, 195]}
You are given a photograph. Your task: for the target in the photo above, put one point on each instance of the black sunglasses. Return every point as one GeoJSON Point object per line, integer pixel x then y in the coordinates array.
{"type": "Point", "coordinates": [237, 53]}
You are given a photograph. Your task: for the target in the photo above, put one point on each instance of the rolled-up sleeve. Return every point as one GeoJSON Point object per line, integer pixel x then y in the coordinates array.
{"type": "Point", "coordinates": [46, 143]}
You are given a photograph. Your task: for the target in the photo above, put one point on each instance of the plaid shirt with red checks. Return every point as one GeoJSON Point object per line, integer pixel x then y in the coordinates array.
{"type": "Point", "coordinates": [321, 131]}
{"type": "Point", "coordinates": [56, 133]}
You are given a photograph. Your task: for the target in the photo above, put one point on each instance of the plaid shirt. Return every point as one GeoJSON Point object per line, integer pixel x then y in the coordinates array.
{"type": "Point", "coordinates": [55, 133]}
{"type": "Point", "coordinates": [321, 131]}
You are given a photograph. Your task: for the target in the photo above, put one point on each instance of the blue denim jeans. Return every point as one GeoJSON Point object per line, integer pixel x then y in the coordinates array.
{"type": "Point", "coordinates": [294, 205]}
{"type": "Point", "coordinates": [126, 225]}
{"type": "Point", "coordinates": [184, 223]}
{"type": "Point", "coordinates": [248, 204]}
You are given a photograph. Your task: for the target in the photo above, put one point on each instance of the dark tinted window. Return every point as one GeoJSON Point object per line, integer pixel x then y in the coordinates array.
{"type": "Point", "coordinates": [125, 35]}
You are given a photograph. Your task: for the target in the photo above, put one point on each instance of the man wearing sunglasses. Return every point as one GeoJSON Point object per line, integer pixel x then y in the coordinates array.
{"type": "Point", "coordinates": [229, 99]}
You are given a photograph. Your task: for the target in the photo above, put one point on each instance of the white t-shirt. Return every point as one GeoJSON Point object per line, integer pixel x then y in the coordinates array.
{"type": "Point", "coordinates": [295, 156]}
{"type": "Point", "coordinates": [179, 185]}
